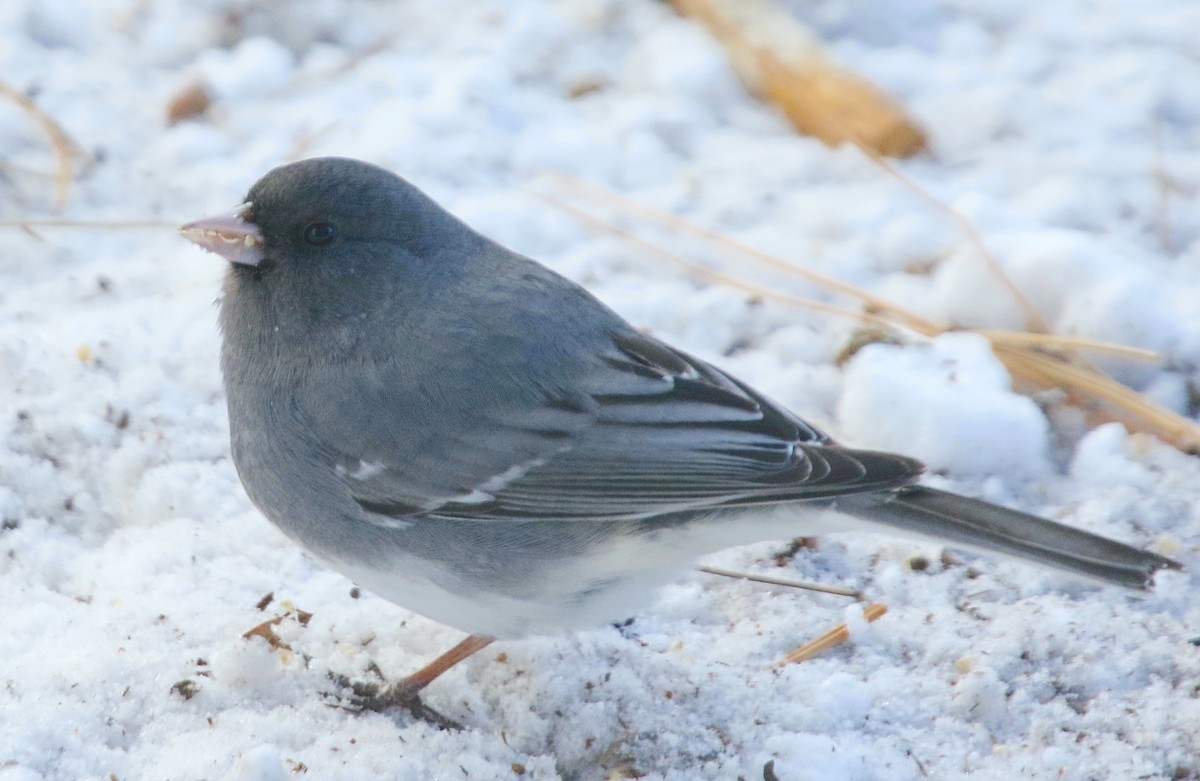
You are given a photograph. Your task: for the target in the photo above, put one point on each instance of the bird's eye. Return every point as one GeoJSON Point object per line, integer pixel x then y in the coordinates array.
{"type": "Point", "coordinates": [319, 233]}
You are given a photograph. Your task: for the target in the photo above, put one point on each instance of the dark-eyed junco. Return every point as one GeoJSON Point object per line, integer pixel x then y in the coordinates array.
{"type": "Point", "coordinates": [478, 439]}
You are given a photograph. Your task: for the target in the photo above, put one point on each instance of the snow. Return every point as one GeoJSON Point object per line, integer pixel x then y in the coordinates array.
{"type": "Point", "coordinates": [943, 403]}
{"type": "Point", "coordinates": [132, 563]}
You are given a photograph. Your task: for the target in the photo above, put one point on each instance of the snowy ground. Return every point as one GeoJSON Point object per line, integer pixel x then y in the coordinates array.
{"type": "Point", "coordinates": [133, 563]}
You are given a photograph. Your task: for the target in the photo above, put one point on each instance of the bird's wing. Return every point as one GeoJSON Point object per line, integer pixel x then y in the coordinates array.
{"type": "Point", "coordinates": [647, 431]}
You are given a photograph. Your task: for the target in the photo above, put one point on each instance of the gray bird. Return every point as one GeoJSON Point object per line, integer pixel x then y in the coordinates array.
{"type": "Point", "coordinates": [473, 437]}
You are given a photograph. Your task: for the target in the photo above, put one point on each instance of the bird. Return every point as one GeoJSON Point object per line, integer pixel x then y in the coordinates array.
{"type": "Point", "coordinates": [478, 439]}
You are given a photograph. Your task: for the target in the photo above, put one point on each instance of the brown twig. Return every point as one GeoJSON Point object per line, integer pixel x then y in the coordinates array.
{"type": "Point", "coordinates": [831, 639]}
{"type": "Point", "coordinates": [266, 630]}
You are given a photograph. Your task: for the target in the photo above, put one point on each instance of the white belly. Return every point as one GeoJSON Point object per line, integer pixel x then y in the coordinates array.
{"type": "Point", "coordinates": [608, 582]}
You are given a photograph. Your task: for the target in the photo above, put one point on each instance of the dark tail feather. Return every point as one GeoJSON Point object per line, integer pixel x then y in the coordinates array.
{"type": "Point", "coordinates": [976, 524]}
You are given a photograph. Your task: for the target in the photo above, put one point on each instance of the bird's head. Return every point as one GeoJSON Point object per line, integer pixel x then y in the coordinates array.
{"type": "Point", "coordinates": [328, 242]}
{"type": "Point", "coordinates": [325, 216]}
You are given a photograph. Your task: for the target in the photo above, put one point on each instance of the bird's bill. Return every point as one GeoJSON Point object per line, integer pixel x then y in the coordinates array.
{"type": "Point", "coordinates": [231, 236]}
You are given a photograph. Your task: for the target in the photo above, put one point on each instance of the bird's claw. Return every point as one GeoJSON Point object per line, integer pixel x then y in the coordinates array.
{"type": "Point", "coordinates": [381, 698]}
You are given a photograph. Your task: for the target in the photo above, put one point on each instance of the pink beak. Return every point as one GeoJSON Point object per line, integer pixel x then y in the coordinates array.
{"type": "Point", "coordinates": [230, 236]}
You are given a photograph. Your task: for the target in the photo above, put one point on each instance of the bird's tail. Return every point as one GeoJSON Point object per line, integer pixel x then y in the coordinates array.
{"type": "Point", "coordinates": [975, 524]}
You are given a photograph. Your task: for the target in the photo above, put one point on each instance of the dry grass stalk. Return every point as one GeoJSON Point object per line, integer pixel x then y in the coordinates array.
{"type": "Point", "coordinates": [875, 303]}
{"type": "Point", "coordinates": [63, 146]}
{"type": "Point", "coordinates": [90, 224]}
{"type": "Point", "coordinates": [831, 639]}
{"type": "Point", "coordinates": [910, 320]}
{"type": "Point", "coordinates": [1033, 321]}
{"type": "Point", "coordinates": [1165, 186]}
{"type": "Point", "coordinates": [785, 582]}
{"type": "Point", "coordinates": [1024, 340]}
{"type": "Point", "coordinates": [713, 275]}
{"type": "Point", "coordinates": [305, 140]}
{"type": "Point", "coordinates": [1102, 396]}
{"type": "Point", "coordinates": [781, 60]}
{"type": "Point", "coordinates": [1027, 356]}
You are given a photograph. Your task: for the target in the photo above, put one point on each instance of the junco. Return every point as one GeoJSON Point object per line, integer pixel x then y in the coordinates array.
{"type": "Point", "coordinates": [474, 437]}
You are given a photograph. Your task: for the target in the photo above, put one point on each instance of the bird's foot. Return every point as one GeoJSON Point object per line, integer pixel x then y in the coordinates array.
{"type": "Point", "coordinates": [381, 698]}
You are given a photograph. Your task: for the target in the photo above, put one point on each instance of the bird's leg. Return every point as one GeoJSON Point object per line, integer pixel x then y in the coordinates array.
{"type": "Point", "coordinates": [406, 693]}
{"type": "Point", "coordinates": [426, 675]}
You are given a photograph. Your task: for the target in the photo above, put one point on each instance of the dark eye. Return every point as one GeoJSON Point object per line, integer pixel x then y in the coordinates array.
{"type": "Point", "coordinates": [319, 233]}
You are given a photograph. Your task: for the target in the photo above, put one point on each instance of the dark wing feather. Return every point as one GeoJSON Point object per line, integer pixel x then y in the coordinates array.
{"type": "Point", "coordinates": [664, 433]}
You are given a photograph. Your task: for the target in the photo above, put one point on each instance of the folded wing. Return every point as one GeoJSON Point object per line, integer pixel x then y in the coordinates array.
{"type": "Point", "coordinates": [646, 431]}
